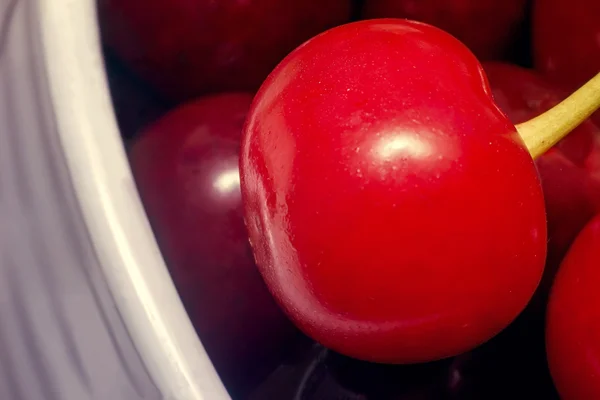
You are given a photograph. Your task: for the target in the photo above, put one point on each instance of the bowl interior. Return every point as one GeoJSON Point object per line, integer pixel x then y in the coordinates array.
{"type": "Point", "coordinates": [122, 240]}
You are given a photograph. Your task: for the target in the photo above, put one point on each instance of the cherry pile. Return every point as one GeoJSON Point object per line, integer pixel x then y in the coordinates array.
{"type": "Point", "coordinates": [344, 202]}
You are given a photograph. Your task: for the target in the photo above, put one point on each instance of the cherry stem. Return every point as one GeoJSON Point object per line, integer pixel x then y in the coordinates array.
{"type": "Point", "coordinates": [547, 129]}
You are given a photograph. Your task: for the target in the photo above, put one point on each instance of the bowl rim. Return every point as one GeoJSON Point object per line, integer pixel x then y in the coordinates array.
{"type": "Point", "coordinates": [114, 215]}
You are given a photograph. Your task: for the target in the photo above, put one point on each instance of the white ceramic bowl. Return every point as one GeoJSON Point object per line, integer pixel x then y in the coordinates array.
{"type": "Point", "coordinates": [87, 307]}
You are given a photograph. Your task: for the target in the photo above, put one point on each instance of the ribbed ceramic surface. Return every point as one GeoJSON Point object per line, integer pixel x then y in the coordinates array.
{"type": "Point", "coordinates": [61, 336]}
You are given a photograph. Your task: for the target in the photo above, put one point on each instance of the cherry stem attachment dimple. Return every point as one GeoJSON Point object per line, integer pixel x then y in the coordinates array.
{"type": "Point", "coordinates": [547, 129]}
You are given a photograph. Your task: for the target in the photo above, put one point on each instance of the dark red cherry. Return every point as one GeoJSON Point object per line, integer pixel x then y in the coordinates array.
{"type": "Point", "coordinates": [566, 45]}
{"type": "Point", "coordinates": [186, 169]}
{"type": "Point", "coordinates": [570, 178]}
{"type": "Point", "coordinates": [487, 27]}
{"type": "Point", "coordinates": [573, 319]}
{"type": "Point", "coordinates": [186, 48]}
{"type": "Point", "coordinates": [566, 41]}
{"type": "Point", "coordinates": [393, 209]}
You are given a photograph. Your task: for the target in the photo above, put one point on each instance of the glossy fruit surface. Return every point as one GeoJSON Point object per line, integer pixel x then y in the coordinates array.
{"type": "Point", "coordinates": [569, 173]}
{"type": "Point", "coordinates": [186, 169]}
{"type": "Point", "coordinates": [566, 40]}
{"type": "Point", "coordinates": [573, 320]}
{"type": "Point", "coordinates": [393, 209]}
{"type": "Point", "coordinates": [186, 48]}
{"type": "Point", "coordinates": [487, 27]}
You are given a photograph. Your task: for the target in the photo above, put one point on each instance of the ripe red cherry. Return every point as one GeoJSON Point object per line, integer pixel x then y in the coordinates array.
{"type": "Point", "coordinates": [487, 27]}
{"type": "Point", "coordinates": [573, 319]}
{"type": "Point", "coordinates": [393, 209]}
{"type": "Point", "coordinates": [186, 169]}
{"type": "Point", "coordinates": [569, 175]}
{"type": "Point", "coordinates": [190, 47]}
{"type": "Point", "coordinates": [566, 41]}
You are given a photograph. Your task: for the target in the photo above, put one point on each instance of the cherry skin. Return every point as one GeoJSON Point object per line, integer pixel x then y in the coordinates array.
{"type": "Point", "coordinates": [393, 209]}
{"type": "Point", "coordinates": [569, 174]}
{"type": "Point", "coordinates": [566, 41]}
{"type": "Point", "coordinates": [186, 48]}
{"type": "Point", "coordinates": [513, 364]}
{"type": "Point", "coordinates": [573, 328]}
{"type": "Point", "coordinates": [487, 27]}
{"type": "Point", "coordinates": [186, 169]}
